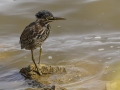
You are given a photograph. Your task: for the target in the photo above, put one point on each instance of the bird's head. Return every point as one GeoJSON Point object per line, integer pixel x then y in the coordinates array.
{"type": "Point", "coordinates": [47, 16]}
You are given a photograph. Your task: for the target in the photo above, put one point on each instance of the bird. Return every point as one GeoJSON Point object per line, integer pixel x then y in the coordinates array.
{"type": "Point", "coordinates": [35, 33]}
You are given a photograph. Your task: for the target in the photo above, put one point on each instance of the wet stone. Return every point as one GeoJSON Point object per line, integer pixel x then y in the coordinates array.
{"type": "Point", "coordinates": [31, 71]}
{"type": "Point", "coordinates": [42, 82]}
{"type": "Point", "coordinates": [39, 86]}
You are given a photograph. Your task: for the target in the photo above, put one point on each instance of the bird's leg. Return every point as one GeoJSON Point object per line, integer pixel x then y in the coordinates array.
{"type": "Point", "coordinates": [35, 63]}
{"type": "Point", "coordinates": [40, 54]}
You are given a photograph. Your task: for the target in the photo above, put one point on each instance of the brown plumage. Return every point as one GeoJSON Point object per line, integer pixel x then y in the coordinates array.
{"type": "Point", "coordinates": [34, 34]}
{"type": "Point", "coordinates": [37, 32]}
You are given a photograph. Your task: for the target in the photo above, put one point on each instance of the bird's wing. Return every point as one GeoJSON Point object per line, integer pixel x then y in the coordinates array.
{"type": "Point", "coordinates": [33, 33]}
{"type": "Point", "coordinates": [28, 33]}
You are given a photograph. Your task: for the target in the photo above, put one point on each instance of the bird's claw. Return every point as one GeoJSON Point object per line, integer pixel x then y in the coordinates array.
{"type": "Point", "coordinates": [39, 73]}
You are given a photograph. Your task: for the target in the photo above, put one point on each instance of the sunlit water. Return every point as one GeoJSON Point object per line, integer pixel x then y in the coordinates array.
{"type": "Point", "coordinates": [88, 41]}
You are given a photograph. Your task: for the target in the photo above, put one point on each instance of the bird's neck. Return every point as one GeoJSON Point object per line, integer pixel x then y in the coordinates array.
{"type": "Point", "coordinates": [42, 22]}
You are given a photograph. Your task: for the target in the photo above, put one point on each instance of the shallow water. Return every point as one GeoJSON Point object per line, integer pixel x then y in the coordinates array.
{"type": "Point", "coordinates": [87, 41]}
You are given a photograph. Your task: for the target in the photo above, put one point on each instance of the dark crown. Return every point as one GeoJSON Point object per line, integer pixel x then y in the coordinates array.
{"type": "Point", "coordinates": [43, 14]}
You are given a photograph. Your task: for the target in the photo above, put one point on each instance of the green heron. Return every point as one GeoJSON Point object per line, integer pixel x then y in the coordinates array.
{"type": "Point", "coordinates": [37, 32]}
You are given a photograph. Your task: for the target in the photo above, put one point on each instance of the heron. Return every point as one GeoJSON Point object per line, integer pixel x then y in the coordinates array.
{"type": "Point", "coordinates": [36, 33]}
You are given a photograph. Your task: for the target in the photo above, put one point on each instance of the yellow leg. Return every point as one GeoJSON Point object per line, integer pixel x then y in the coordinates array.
{"type": "Point", "coordinates": [35, 63]}
{"type": "Point", "coordinates": [40, 54]}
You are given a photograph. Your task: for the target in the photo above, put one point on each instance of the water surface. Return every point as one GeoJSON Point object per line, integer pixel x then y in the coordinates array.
{"type": "Point", "coordinates": [88, 41]}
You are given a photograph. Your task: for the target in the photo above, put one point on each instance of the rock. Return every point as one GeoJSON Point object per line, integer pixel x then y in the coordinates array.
{"type": "Point", "coordinates": [39, 86]}
{"type": "Point", "coordinates": [30, 72]}
{"type": "Point", "coordinates": [44, 81]}
{"type": "Point", "coordinates": [114, 85]}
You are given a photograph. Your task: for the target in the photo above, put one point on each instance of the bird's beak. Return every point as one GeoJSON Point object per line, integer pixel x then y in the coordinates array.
{"type": "Point", "coordinates": [56, 18]}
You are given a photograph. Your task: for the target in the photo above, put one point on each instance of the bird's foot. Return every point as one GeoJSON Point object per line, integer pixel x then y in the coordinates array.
{"type": "Point", "coordinates": [39, 73]}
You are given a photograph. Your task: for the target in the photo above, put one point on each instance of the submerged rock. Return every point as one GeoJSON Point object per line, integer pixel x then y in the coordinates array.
{"type": "Point", "coordinates": [114, 85]}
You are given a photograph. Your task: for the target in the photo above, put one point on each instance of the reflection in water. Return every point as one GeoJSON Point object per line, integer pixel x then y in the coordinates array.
{"type": "Point", "coordinates": [85, 42]}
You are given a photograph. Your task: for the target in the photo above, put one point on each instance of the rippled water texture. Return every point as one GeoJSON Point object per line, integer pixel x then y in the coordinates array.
{"type": "Point", "coordinates": [88, 41]}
